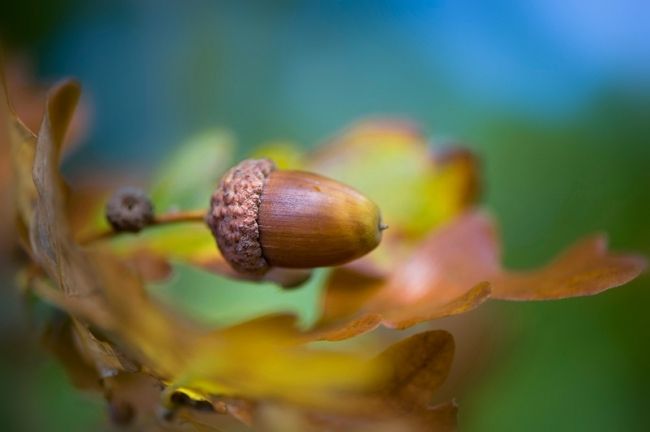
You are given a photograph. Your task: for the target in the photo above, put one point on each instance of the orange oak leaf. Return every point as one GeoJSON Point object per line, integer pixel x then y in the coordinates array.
{"type": "Point", "coordinates": [444, 276]}
{"type": "Point", "coordinates": [455, 269]}
{"type": "Point", "coordinates": [586, 268]}
{"type": "Point", "coordinates": [420, 364]}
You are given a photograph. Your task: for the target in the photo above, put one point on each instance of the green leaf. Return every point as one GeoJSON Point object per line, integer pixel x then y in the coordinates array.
{"type": "Point", "coordinates": [390, 162]}
{"type": "Point", "coordinates": [186, 180]}
{"type": "Point", "coordinates": [219, 300]}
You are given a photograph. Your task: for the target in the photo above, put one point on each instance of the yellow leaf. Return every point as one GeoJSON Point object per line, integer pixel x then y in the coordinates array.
{"type": "Point", "coordinates": [286, 155]}
{"type": "Point", "coordinates": [391, 163]}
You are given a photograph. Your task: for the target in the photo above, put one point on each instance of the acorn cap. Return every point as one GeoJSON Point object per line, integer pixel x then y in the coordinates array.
{"type": "Point", "coordinates": [233, 215]}
{"type": "Point", "coordinates": [264, 218]}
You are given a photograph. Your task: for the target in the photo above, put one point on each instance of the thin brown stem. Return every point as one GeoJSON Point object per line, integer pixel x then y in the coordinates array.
{"type": "Point", "coordinates": [191, 216]}
{"type": "Point", "coordinates": [98, 236]}
{"type": "Point", "coordinates": [177, 217]}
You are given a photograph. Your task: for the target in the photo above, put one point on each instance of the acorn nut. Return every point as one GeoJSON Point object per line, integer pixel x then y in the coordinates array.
{"type": "Point", "coordinates": [262, 218]}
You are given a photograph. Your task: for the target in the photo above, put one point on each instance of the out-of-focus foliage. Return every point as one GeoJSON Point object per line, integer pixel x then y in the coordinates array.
{"type": "Point", "coordinates": [120, 342]}
{"type": "Point", "coordinates": [552, 95]}
{"type": "Point", "coordinates": [115, 329]}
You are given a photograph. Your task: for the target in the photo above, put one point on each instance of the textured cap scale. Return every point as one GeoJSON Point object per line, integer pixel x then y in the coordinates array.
{"type": "Point", "coordinates": [233, 215]}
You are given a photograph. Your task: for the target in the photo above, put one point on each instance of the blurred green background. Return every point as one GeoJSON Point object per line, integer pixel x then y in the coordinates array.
{"type": "Point", "coordinates": [553, 95]}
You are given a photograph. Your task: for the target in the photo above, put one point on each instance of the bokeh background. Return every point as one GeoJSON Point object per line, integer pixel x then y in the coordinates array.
{"type": "Point", "coordinates": [553, 95]}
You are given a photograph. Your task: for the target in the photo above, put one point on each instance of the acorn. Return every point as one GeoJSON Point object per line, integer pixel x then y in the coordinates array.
{"type": "Point", "coordinates": [262, 217]}
{"type": "Point", "coordinates": [129, 210]}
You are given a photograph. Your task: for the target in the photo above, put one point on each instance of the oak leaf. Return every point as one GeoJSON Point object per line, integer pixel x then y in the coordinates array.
{"type": "Point", "coordinates": [416, 367]}
{"type": "Point", "coordinates": [455, 269]}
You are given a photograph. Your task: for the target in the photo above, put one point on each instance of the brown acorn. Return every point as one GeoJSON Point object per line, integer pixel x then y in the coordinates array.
{"type": "Point", "coordinates": [262, 218]}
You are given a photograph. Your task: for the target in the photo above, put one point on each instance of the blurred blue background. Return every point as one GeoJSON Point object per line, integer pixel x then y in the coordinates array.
{"type": "Point", "coordinates": [553, 95]}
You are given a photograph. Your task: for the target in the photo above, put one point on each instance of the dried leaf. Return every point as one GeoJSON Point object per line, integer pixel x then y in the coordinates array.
{"type": "Point", "coordinates": [21, 146]}
{"type": "Point", "coordinates": [59, 339]}
{"type": "Point", "coordinates": [17, 147]}
{"type": "Point", "coordinates": [133, 401]}
{"type": "Point", "coordinates": [418, 366]}
{"type": "Point", "coordinates": [50, 235]}
{"type": "Point", "coordinates": [150, 267]}
{"type": "Point", "coordinates": [453, 271]}
{"type": "Point", "coordinates": [51, 241]}
{"type": "Point", "coordinates": [586, 268]}
{"type": "Point", "coordinates": [446, 275]}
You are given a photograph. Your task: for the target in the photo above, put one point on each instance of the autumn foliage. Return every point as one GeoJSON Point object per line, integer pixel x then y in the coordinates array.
{"type": "Point", "coordinates": [161, 370]}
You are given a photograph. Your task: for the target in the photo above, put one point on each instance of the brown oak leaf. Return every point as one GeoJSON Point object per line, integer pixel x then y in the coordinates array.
{"type": "Point", "coordinates": [455, 269]}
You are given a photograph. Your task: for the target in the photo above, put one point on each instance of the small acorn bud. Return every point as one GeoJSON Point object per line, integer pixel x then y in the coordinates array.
{"type": "Point", "coordinates": [129, 209]}
{"type": "Point", "coordinates": [262, 218]}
